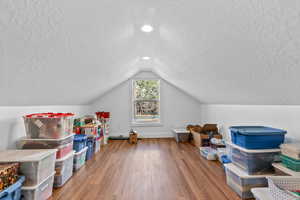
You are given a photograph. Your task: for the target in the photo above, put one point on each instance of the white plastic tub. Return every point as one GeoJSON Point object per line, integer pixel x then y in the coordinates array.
{"type": "Point", "coordinates": [97, 145]}
{"type": "Point", "coordinates": [79, 159]}
{"type": "Point", "coordinates": [35, 165]}
{"type": "Point", "coordinates": [41, 191]}
{"type": "Point", "coordinates": [291, 150]}
{"type": "Point", "coordinates": [208, 153]}
{"type": "Point", "coordinates": [64, 170]}
{"type": "Point", "coordinates": [241, 182]}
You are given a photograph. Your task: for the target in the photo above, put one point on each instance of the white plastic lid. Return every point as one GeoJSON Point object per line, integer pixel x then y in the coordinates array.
{"type": "Point", "coordinates": [286, 170]}
{"type": "Point", "coordinates": [180, 131]}
{"type": "Point", "coordinates": [37, 139]}
{"type": "Point", "coordinates": [291, 147]}
{"type": "Point", "coordinates": [25, 155]}
{"type": "Point", "coordinates": [236, 170]}
{"type": "Point", "coordinates": [82, 150]}
{"type": "Point", "coordinates": [253, 150]}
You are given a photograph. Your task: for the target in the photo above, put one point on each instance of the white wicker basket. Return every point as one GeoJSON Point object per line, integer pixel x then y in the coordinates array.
{"type": "Point", "coordinates": [278, 185]}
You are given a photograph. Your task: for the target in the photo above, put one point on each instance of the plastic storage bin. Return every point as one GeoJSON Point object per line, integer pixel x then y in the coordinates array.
{"type": "Point", "coordinates": [291, 150]}
{"type": "Point", "coordinates": [257, 137]}
{"type": "Point", "coordinates": [64, 146]}
{"type": "Point", "coordinates": [97, 145]}
{"type": "Point", "coordinates": [35, 165]}
{"type": "Point", "coordinates": [79, 142]}
{"type": "Point", "coordinates": [290, 163]}
{"type": "Point", "coordinates": [48, 125]}
{"type": "Point", "coordinates": [13, 192]}
{"type": "Point", "coordinates": [63, 170]}
{"type": "Point", "coordinates": [90, 144]}
{"type": "Point", "coordinates": [254, 162]}
{"type": "Point", "coordinates": [241, 182]}
{"type": "Point", "coordinates": [181, 135]}
{"type": "Point", "coordinates": [41, 191]}
{"type": "Point", "coordinates": [79, 159]}
{"type": "Point", "coordinates": [278, 186]}
{"type": "Point", "coordinates": [208, 153]}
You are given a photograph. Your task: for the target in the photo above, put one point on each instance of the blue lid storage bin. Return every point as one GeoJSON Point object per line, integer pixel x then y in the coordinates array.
{"type": "Point", "coordinates": [13, 192]}
{"type": "Point", "coordinates": [90, 144]}
{"type": "Point", "coordinates": [257, 137]}
{"type": "Point", "coordinates": [79, 142]}
{"type": "Point", "coordinates": [254, 162]}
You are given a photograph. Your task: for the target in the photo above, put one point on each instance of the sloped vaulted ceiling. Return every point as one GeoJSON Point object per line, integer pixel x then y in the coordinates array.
{"type": "Point", "coordinates": [228, 52]}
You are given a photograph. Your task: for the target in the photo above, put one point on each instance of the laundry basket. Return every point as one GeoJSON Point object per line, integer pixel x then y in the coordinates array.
{"type": "Point", "coordinates": [279, 184]}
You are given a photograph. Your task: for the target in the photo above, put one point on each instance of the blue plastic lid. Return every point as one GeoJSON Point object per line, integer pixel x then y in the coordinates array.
{"type": "Point", "coordinates": [256, 130]}
{"type": "Point", "coordinates": [80, 137]}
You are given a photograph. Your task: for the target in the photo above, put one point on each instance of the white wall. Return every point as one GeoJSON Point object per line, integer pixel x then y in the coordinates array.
{"type": "Point", "coordinates": [11, 122]}
{"type": "Point", "coordinates": [284, 117]}
{"type": "Point", "coordinates": [177, 109]}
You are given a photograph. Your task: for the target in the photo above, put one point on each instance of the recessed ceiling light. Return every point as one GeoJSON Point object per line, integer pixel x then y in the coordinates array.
{"type": "Point", "coordinates": [146, 58]}
{"type": "Point", "coordinates": [147, 28]}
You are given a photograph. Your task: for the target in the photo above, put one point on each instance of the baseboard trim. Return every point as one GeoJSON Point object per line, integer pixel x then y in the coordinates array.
{"type": "Point", "coordinates": [146, 135]}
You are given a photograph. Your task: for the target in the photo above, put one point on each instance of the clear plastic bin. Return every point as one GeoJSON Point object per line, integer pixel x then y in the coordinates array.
{"type": "Point", "coordinates": [241, 182]}
{"type": "Point", "coordinates": [181, 135]}
{"type": "Point", "coordinates": [97, 145]}
{"type": "Point", "coordinates": [208, 153]}
{"type": "Point", "coordinates": [63, 169]}
{"type": "Point", "coordinates": [48, 125]}
{"type": "Point", "coordinates": [35, 165]}
{"type": "Point", "coordinates": [79, 159]}
{"type": "Point", "coordinates": [64, 146]}
{"type": "Point", "coordinates": [41, 191]}
{"type": "Point", "coordinates": [254, 162]}
{"type": "Point", "coordinates": [291, 150]}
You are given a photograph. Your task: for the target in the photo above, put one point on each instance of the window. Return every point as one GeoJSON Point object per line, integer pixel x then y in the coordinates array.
{"type": "Point", "coordinates": [146, 101]}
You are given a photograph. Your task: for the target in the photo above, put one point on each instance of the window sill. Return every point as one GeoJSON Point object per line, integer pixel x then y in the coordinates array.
{"type": "Point", "coordinates": [146, 124]}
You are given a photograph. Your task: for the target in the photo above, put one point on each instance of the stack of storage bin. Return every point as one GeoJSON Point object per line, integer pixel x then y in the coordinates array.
{"type": "Point", "coordinates": [252, 152]}
{"type": "Point", "coordinates": [80, 149]}
{"type": "Point", "coordinates": [290, 156]}
{"type": "Point", "coordinates": [38, 168]}
{"type": "Point", "coordinates": [103, 118]}
{"type": "Point", "coordinates": [52, 131]}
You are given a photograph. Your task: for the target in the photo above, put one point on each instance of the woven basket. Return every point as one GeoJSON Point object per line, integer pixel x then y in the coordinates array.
{"type": "Point", "coordinates": [278, 185]}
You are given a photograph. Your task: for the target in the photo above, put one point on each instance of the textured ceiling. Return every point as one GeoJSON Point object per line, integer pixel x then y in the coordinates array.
{"type": "Point", "coordinates": [228, 52]}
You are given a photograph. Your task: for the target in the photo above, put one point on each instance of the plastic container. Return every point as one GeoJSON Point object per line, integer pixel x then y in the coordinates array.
{"type": "Point", "coordinates": [64, 146]}
{"type": "Point", "coordinates": [291, 150]}
{"type": "Point", "coordinates": [97, 145]}
{"type": "Point", "coordinates": [79, 159]}
{"type": "Point", "coordinates": [282, 170]}
{"type": "Point", "coordinates": [261, 193]}
{"type": "Point", "coordinates": [13, 192]}
{"type": "Point", "coordinates": [35, 165]}
{"type": "Point", "coordinates": [79, 142]}
{"type": "Point", "coordinates": [48, 125]}
{"type": "Point", "coordinates": [41, 191]}
{"type": "Point", "coordinates": [103, 115]}
{"type": "Point", "coordinates": [208, 153]}
{"type": "Point", "coordinates": [257, 137]}
{"type": "Point", "coordinates": [254, 162]}
{"type": "Point", "coordinates": [90, 144]}
{"type": "Point", "coordinates": [290, 163]}
{"type": "Point", "coordinates": [181, 135]}
{"type": "Point", "coordinates": [63, 170]}
{"type": "Point", "coordinates": [278, 186]}
{"type": "Point", "coordinates": [241, 182]}
{"type": "Point", "coordinates": [105, 140]}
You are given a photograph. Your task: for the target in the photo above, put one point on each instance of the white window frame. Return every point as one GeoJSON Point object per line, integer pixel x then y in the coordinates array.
{"type": "Point", "coordinates": [144, 123]}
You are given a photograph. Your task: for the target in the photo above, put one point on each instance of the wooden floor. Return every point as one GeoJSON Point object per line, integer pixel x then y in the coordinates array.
{"type": "Point", "coordinates": [155, 169]}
